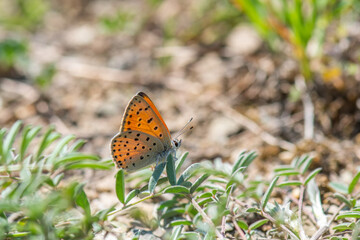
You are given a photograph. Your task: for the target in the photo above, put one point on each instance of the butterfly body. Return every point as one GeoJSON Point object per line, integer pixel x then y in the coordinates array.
{"type": "Point", "coordinates": [143, 138]}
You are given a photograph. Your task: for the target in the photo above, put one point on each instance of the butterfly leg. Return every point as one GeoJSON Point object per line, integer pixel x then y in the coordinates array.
{"type": "Point", "coordinates": [157, 160]}
{"type": "Point", "coordinates": [173, 152]}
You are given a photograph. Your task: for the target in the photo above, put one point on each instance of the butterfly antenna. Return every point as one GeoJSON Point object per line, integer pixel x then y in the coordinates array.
{"type": "Point", "coordinates": [184, 129]}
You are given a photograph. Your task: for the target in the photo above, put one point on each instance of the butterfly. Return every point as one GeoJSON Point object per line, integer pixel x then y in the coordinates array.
{"type": "Point", "coordinates": [143, 138]}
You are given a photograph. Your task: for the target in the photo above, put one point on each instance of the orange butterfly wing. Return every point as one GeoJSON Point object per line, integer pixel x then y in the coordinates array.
{"type": "Point", "coordinates": [132, 150]}
{"type": "Point", "coordinates": [142, 115]}
{"type": "Point", "coordinates": [144, 137]}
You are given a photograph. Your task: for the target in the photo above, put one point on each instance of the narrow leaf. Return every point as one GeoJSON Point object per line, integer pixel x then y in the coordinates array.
{"type": "Point", "coordinates": [59, 147]}
{"type": "Point", "coordinates": [188, 172]}
{"type": "Point", "coordinates": [312, 175]}
{"type": "Point", "coordinates": [29, 133]}
{"type": "Point", "coordinates": [180, 162]}
{"type": "Point", "coordinates": [288, 173]}
{"type": "Point", "coordinates": [315, 199]}
{"type": "Point", "coordinates": [82, 200]}
{"type": "Point", "coordinates": [131, 195]}
{"type": "Point", "coordinates": [170, 169]}
{"type": "Point", "coordinates": [176, 189]}
{"type": "Point", "coordinates": [258, 224]}
{"type": "Point", "coordinates": [343, 199]}
{"type": "Point", "coordinates": [289, 183]}
{"type": "Point", "coordinates": [173, 212]}
{"type": "Point", "coordinates": [198, 182]}
{"type": "Point", "coordinates": [348, 215]}
{"type": "Point", "coordinates": [354, 182]}
{"type": "Point", "coordinates": [47, 139]}
{"type": "Point", "coordinates": [339, 187]}
{"type": "Point", "coordinates": [102, 165]}
{"type": "Point", "coordinates": [120, 186]}
{"type": "Point", "coordinates": [306, 164]}
{"type": "Point", "coordinates": [268, 192]}
{"type": "Point", "coordinates": [176, 233]}
{"type": "Point", "coordinates": [155, 176]}
{"type": "Point", "coordinates": [243, 225]}
{"type": "Point", "coordinates": [2, 134]}
{"type": "Point", "coordinates": [180, 222]}
{"type": "Point", "coordinates": [9, 140]}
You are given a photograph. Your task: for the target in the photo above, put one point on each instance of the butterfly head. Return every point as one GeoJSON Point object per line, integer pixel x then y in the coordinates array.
{"type": "Point", "coordinates": [176, 143]}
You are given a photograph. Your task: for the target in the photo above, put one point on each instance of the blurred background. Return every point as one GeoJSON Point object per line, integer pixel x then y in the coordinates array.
{"type": "Point", "coordinates": [278, 77]}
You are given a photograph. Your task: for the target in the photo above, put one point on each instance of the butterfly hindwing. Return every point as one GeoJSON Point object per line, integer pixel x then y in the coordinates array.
{"type": "Point", "coordinates": [141, 115]}
{"type": "Point", "coordinates": [133, 149]}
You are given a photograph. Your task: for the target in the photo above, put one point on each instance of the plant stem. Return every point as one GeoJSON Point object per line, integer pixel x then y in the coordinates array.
{"type": "Point", "coordinates": [308, 108]}
{"type": "Point", "coordinates": [301, 199]}
{"type": "Point", "coordinates": [283, 227]}
{"type": "Point", "coordinates": [204, 216]}
{"type": "Point", "coordinates": [133, 204]}
{"type": "Point", "coordinates": [323, 229]}
{"type": "Point", "coordinates": [241, 233]}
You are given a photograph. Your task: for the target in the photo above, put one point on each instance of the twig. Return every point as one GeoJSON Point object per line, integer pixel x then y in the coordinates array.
{"type": "Point", "coordinates": [205, 217]}
{"type": "Point", "coordinates": [223, 223]}
{"type": "Point", "coordinates": [301, 199]}
{"type": "Point", "coordinates": [133, 204]}
{"type": "Point", "coordinates": [323, 229]}
{"type": "Point", "coordinates": [239, 230]}
{"type": "Point", "coordinates": [283, 227]}
{"type": "Point", "coordinates": [266, 215]}
{"type": "Point", "coordinates": [305, 211]}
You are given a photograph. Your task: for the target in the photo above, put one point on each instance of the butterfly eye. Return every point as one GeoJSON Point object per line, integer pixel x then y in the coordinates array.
{"type": "Point", "coordinates": [177, 143]}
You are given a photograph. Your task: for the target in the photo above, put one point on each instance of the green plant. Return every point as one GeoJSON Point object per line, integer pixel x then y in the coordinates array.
{"type": "Point", "coordinates": [295, 22]}
{"type": "Point", "coordinates": [22, 14]}
{"type": "Point", "coordinates": [121, 21]}
{"type": "Point", "coordinates": [222, 199]}
{"type": "Point", "coordinates": [302, 25]}
{"type": "Point", "coordinates": [13, 53]}
{"type": "Point", "coordinates": [35, 202]}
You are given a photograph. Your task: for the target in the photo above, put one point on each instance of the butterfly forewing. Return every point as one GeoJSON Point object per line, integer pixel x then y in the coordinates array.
{"type": "Point", "coordinates": [133, 149]}
{"type": "Point", "coordinates": [141, 115]}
